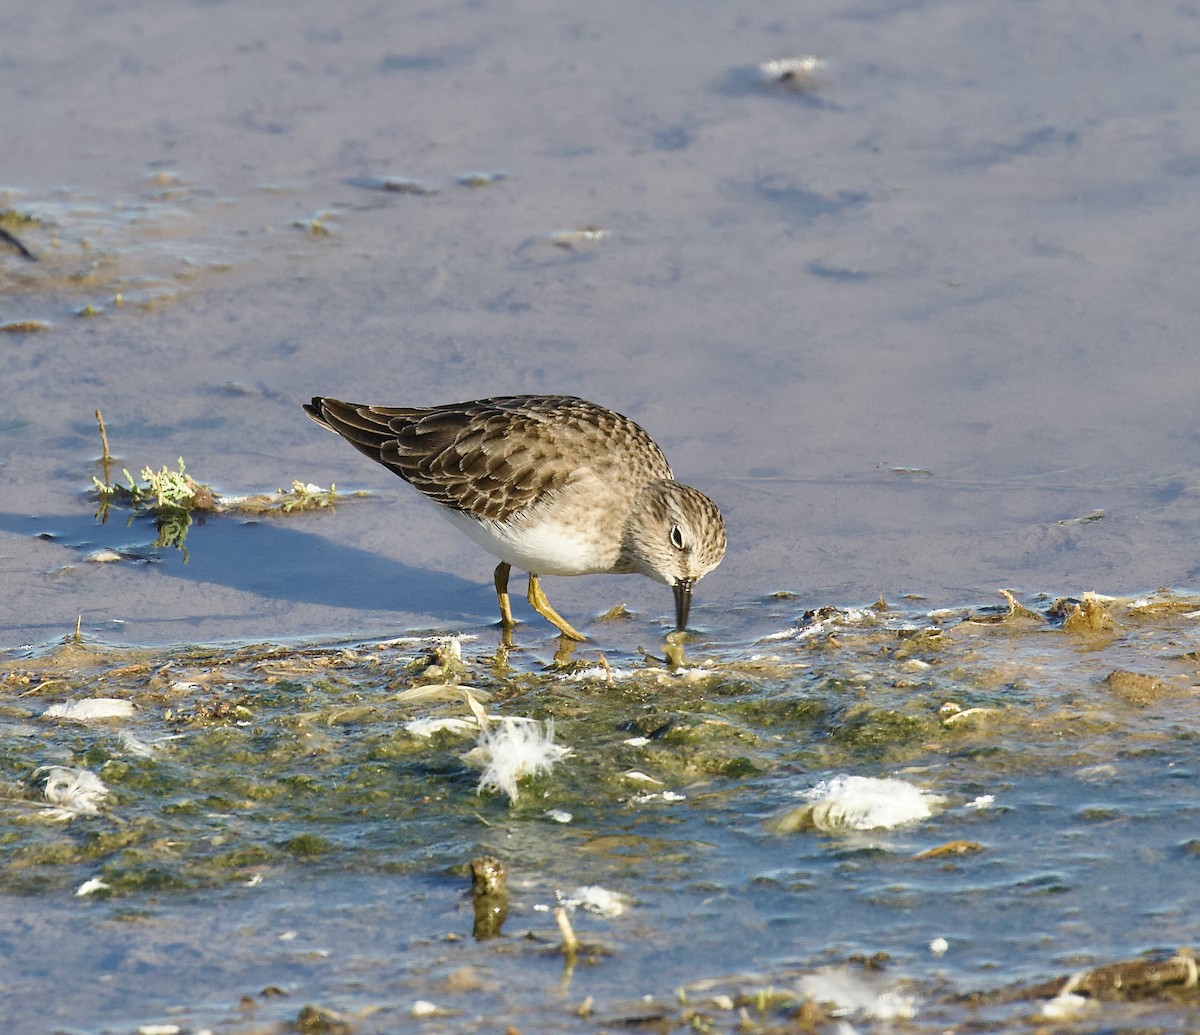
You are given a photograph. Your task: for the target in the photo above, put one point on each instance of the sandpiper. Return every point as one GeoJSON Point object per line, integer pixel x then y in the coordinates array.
{"type": "Point", "coordinates": [549, 483]}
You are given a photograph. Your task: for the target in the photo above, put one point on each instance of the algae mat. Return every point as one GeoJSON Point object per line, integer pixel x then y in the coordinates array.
{"type": "Point", "coordinates": [982, 817]}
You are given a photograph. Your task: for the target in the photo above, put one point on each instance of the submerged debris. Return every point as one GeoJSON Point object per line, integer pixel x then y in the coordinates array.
{"type": "Point", "coordinates": [424, 1009]}
{"type": "Point", "coordinates": [427, 725]}
{"type": "Point", "coordinates": [1136, 687]}
{"type": "Point", "coordinates": [1083, 519]}
{"type": "Point", "coordinates": [558, 244]}
{"type": "Point", "coordinates": [1156, 978]}
{"type": "Point", "coordinates": [1015, 613]}
{"type": "Point", "coordinates": [85, 250]}
{"type": "Point", "coordinates": [395, 185]}
{"type": "Point", "coordinates": [481, 179]}
{"type": "Point", "coordinates": [615, 613]}
{"type": "Point", "coordinates": [951, 713]}
{"type": "Point", "coordinates": [320, 1020]}
{"type": "Point", "coordinates": [489, 894]}
{"type": "Point", "coordinates": [90, 709]}
{"type": "Point", "coordinates": [1129, 979]}
{"type": "Point", "coordinates": [845, 991]}
{"type": "Point", "coordinates": [951, 849]}
{"type": "Point", "coordinates": [91, 887]}
{"type": "Point", "coordinates": [11, 239]}
{"type": "Point", "coordinates": [570, 943]}
{"type": "Point", "coordinates": [1088, 616]}
{"type": "Point", "coordinates": [796, 73]}
{"type": "Point", "coordinates": [301, 496]}
{"type": "Point", "coordinates": [594, 899]}
{"type": "Point", "coordinates": [847, 803]}
{"type": "Point", "coordinates": [573, 238]}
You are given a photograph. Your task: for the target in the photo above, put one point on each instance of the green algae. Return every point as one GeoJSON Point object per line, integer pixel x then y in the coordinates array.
{"type": "Point", "coordinates": [882, 733]}
{"type": "Point", "coordinates": [308, 846]}
{"type": "Point", "coordinates": [254, 756]}
{"type": "Point", "coordinates": [267, 762]}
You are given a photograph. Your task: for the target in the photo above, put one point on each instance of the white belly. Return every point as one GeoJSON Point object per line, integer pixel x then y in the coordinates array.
{"type": "Point", "coordinates": [540, 547]}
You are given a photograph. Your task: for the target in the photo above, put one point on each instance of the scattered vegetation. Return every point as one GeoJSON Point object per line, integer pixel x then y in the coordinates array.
{"type": "Point", "coordinates": [171, 497]}
{"type": "Point", "coordinates": [24, 326]}
{"type": "Point", "coordinates": [11, 222]}
{"type": "Point", "coordinates": [299, 497]}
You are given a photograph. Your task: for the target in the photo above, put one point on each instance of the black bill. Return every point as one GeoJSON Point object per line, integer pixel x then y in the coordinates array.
{"type": "Point", "coordinates": [683, 603]}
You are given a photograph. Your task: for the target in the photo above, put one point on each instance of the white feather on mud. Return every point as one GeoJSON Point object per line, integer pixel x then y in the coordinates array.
{"type": "Point", "coordinates": [511, 749]}
{"type": "Point", "coordinates": [71, 792]}
{"type": "Point", "coordinates": [853, 803]}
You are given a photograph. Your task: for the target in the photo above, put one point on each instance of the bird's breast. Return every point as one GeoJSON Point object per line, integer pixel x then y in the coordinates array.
{"type": "Point", "coordinates": [544, 543]}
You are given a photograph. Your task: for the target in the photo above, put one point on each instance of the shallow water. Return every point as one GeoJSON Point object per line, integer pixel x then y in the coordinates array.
{"type": "Point", "coordinates": [926, 328]}
{"type": "Point", "coordinates": [275, 832]}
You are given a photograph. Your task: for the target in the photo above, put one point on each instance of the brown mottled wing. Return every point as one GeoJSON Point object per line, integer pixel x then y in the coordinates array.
{"type": "Point", "coordinates": [493, 457]}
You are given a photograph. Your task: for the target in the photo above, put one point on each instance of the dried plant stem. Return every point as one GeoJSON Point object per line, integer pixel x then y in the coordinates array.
{"type": "Point", "coordinates": [570, 942]}
{"type": "Point", "coordinates": [105, 456]}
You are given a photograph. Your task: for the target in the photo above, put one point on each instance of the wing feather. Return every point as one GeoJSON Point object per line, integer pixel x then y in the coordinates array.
{"type": "Point", "coordinates": [492, 458]}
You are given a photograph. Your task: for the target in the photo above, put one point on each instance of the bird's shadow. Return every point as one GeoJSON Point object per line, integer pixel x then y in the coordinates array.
{"type": "Point", "coordinates": [269, 557]}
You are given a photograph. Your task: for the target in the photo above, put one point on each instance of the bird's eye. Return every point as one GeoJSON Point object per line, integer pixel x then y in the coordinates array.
{"type": "Point", "coordinates": [677, 537]}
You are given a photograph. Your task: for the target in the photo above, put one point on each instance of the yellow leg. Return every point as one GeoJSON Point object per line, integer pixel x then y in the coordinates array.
{"type": "Point", "coordinates": [506, 618]}
{"type": "Point", "coordinates": [538, 601]}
